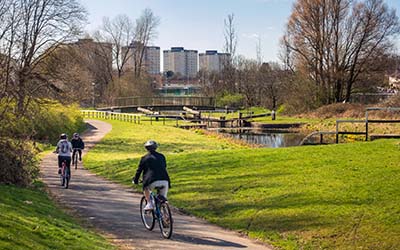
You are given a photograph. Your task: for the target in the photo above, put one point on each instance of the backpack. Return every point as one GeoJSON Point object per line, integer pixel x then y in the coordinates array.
{"type": "Point", "coordinates": [64, 147]}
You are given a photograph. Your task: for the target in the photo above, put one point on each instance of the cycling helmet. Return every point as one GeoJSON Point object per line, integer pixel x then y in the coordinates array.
{"type": "Point", "coordinates": [151, 145]}
{"type": "Point", "coordinates": [76, 135]}
{"type": "Point", "coordinates": [63, 136]}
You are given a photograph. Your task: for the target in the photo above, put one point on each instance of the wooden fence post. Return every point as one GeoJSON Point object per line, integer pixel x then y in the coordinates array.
{"type": "Point", "coordinates": [337, 132]}
{"type": "Point", "coordinates": [366, 125]}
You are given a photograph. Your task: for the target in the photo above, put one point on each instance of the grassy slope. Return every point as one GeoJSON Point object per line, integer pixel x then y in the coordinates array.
{"type": "Point", "coordinates": [336, 197]}
{"type": "Point", "coordinates": [30, 220]}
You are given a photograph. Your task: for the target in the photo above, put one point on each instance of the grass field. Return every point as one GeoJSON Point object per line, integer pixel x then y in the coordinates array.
{"type": "Point", "coordinates": [30, 220]}
{"type": "Point", "coordinates": [342, 196]}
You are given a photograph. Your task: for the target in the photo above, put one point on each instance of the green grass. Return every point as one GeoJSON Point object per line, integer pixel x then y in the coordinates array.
{"type": "Point", "coordinates": [30, 220]}
{"type": "Point", "coordinates": [342, 196]}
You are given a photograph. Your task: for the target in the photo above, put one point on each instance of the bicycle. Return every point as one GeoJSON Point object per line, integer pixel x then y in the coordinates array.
{"type": "Point", "coordinates": [75, 154]}
{"type": "Point", "coordinates": [65, 175]}
{"type": "Point", "coordinates": [161, 212]}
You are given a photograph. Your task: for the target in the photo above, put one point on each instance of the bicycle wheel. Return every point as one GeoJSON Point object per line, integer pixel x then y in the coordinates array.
{"type": "Point", "coordinates": [62, 179]}
{"type": "Point", "coordinates": [148, 218]}
{"type": "Point", "coordinates": [67, 177]}
{"type": "Point", "coordinates": [165, 220]}
{"type": "Point", "coordinates": [62, 175]}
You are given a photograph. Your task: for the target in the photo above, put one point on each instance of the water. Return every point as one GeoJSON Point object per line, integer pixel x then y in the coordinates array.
{"type": "Point", "coordinates": [269, 140]}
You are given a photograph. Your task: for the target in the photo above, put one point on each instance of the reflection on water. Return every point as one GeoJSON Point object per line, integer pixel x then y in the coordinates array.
{"type": "Point", "coordinates": [270, 140]}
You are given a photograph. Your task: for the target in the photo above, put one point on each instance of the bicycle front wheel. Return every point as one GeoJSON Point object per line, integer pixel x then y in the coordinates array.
{"type": "Point", "coordinates": [147, 217]}
{"type": "Point", "coordinates": [166, 221]}
{"type": "Point", "coordinates": [67, 177]}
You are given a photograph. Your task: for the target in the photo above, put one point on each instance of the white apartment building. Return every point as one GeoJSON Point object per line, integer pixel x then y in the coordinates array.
{"type": "Point", "coordinates": [151, 58]}
{"type": "Point", "coordinates": [181, 61]}
{"type": "Point", "coordinates": [212, 61]}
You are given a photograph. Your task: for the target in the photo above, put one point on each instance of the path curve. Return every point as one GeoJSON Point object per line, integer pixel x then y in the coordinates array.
{"type": "Point", "coordinates": [114, 209]}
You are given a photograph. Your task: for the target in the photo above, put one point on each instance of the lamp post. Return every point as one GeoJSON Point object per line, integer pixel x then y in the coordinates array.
{"type": "Point", "coordinates": [94, 95]}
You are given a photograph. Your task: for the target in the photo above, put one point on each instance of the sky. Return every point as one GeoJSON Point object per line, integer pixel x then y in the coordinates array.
{"type": "Point", "coordinates": [199, 24]}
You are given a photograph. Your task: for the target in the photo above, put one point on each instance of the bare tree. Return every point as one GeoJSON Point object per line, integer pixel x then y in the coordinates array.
{"type": "Point", "coordinates": [334, 43]}
{"type": "Point", "coordinates": [230, 36]}
{"type": "Point", "coordinates": [271, 79]}
{"type": "Point", "coordinates": [120, 32]}
{"type": "Point", "coordinates": [230, 45]}
{"type": "Point", "coordinates": [259, 51]}
{"type": "Point", "coordinates": [145, 31]}
{"type": "Point", "coordinates": [30, 30]}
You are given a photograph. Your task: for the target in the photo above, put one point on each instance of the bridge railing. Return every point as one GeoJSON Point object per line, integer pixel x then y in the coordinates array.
{"type": "Point", "coordinates": [126, 117]}
{"type": "Point", "coordinates": [165, 101]}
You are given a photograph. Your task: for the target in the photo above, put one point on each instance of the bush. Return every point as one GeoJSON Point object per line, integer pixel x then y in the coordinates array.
{"type": "Point", "coordinates": [18, 163]}
{"type": "Point", "coordinates": [54, 119]}
{"type": "Point", "coordinates": [43, 120]}
{"type": "Point", "coordinates": [230, 100]}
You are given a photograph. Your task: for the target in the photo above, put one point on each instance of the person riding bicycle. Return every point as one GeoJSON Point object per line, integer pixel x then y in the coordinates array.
{"type": "Point", "coordinates": [154, 168]}
{"type": "Point", "coordinates": [77, 145]}
{"type": "Point", "coordinates": [64, 149]}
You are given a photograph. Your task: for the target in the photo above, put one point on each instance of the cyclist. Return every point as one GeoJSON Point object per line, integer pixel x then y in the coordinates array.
{"type": "Point", "coordinates": [77, 145]}
{"type": "Point", "coordinates": [154, 168]}
{"type": "Point", "coordinates": [64, 149]}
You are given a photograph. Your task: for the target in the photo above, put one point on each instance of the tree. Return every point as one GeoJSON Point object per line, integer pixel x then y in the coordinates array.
{"type": "Point", "coordinates": [29, 31]}
{"type": "Point", "coordinates": [230, 36]}
{"type": "Point", "coordinates": [120, 32]}
{"type": "Point", "coordinates": [145, 31]}
{"type": "Point", "coordinates": [228, 71]}
{"type": "Point", "coordinates": [335, 42]}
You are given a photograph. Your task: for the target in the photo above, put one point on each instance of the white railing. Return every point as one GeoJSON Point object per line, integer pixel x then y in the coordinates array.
{"type": "Point", "coordinates": [107, 115]}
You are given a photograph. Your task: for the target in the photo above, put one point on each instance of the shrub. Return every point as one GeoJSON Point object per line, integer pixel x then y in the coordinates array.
{"type": "Point", "coordinates": [18, 163]}
{"type": "Point", "coordinates": [54, 118]}
{"type": "Point", "coordinates": [43, 120]}
{"type": "Point", "coordinates": [230, 100]}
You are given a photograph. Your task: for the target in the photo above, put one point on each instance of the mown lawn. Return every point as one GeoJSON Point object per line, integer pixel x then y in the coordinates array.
{"type": "Point", "coordinates": [342, 196]}
{"type": "Point", "coordinates": [30, 220]}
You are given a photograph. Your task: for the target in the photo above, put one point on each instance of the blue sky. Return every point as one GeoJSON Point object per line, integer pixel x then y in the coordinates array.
{"type": "Point", "coordinates": [199, 25]}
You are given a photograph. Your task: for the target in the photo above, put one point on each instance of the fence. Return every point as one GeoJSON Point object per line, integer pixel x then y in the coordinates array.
{"type": "Point", "coordinates": [133, 118]}
{"type": "Point", "coordinates": [165, 101]}
{"type": "Point", "coordinates": [125, 117]}
{"type": "Point", "coordinates": [367, 122]}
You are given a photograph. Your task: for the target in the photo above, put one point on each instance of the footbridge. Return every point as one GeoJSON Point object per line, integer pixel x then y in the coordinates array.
{"type": "Point", "coordinates": [160, 103]}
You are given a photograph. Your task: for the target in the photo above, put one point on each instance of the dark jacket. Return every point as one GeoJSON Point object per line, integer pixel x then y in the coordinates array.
{"type": "Point", "coordinates": [77, 143]}
{"type": "Point", "coordinates": [154, 168]}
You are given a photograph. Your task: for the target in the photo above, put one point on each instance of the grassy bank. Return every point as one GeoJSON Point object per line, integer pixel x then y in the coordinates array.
{"type": "Point", "coordinates": [30, 220]}
{"type": "Point", "coordinates": [342, 196]}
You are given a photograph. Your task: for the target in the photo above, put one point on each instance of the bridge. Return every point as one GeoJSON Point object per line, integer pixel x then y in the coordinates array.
{"type": "Point", "coordinates": [158, 103]}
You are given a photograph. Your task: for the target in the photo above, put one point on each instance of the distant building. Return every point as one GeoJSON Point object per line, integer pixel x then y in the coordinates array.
{"type": "Point", "coordinates": [96, 52]}
{"type": "Point", "coordinates": [212, 61]}
{"type": "Point", "coordinates": [151, 58]}
{"type": "Point", "coordinates": [182, 62]}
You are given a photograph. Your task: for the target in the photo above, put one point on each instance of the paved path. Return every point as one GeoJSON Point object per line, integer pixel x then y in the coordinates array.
{"type": "Point", "coordinates": [114, 210]}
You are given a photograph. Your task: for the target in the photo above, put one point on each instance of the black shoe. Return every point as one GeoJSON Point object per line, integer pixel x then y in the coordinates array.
{"type": "Point", "coordinates": [80, 159]}
{"type": "Point", "coordinates": [72, 162]}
